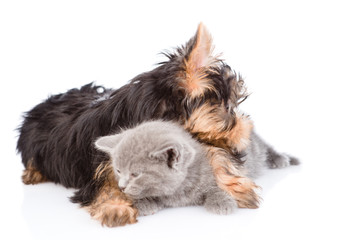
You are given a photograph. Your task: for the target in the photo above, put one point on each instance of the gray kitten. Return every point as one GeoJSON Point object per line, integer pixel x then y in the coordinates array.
{"type": "Point", "coordinates": [158, 164]}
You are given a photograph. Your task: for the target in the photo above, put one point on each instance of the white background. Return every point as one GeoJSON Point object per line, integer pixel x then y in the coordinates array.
{"type": "Point", "coordinates": [288, 52]}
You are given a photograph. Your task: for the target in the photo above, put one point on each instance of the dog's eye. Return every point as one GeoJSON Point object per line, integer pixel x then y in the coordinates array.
{"type": "Point", "coordinates": [117, 171]}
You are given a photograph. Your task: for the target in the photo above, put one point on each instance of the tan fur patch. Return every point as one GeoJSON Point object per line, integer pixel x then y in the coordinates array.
{"type": "Point", "coordinates": [212, 124]}
{"type": "Point", "coordinates": [104, 168]}
{"type": "Point", "coordinates": [31, 175]}
{"type": "Point", "coordinates": [113, 212]}
{"type": "Point", "coordinates": [239, 136]}
{"type": "Point", "coordinates": [111, 207]}
{"type": "Point", "coordinates": [231, 179]}
{"type": "Point", "coordinates": [195, 83]}
{"type": "Point", "coordinates": [194, 78]}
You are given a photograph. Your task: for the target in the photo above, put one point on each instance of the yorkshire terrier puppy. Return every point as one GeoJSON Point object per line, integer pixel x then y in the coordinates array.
{"type": "Point", "coordinates": [193, 88]}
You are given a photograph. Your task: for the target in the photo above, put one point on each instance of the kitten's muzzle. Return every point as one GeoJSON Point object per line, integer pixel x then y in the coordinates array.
{"type": "Point", "coordinates": [122, 183]}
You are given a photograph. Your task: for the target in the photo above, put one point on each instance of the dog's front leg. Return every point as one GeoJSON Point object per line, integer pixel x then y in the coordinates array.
{"type": "Point", "coordinates": [231, 179]}
{"type": "Point", "coordinates": [102, 198]}
{"type": "Point", "coordinates": [224, 133]}
{"type": "Point", "coordinates": [111, 207]}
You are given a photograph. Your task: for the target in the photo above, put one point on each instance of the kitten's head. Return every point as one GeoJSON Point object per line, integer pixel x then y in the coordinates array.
{"type": "Point", "coordinates": [150, 160]}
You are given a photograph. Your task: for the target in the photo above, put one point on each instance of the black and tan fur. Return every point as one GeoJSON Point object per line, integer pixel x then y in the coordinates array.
{"type": "Point", "coordinates": [193, 88]}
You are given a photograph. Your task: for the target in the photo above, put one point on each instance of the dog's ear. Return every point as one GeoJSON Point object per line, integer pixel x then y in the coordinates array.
{"type": "Point", "coordinates": [108, 143]}
{"type": "Point", "coordinates": [200, 48]}
{"type": "Point", "coordinates": [198, 58]}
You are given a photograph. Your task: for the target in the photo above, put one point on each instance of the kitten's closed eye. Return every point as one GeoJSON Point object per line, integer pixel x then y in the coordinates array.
{"type": "Point", "coordinates": [134, 175]}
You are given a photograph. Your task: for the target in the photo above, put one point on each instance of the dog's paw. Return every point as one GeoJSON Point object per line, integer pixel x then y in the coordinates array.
{"type": "Point", "coordinates": [249, 199]}
{"type": "Point", "coordinates": [31, 175]}
{"type": "Point", "coordinates": [245, 192]}
{"type": "Point", "coordinates": [114, 212]}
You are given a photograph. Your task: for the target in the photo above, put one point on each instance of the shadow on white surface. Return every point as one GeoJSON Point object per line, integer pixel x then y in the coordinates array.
{"type": "Point", "coordinates": [48, 213]}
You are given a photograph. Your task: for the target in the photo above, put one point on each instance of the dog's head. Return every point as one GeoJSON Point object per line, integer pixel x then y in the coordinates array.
{"type": "Point", "coordinates": [204, 91]}
{"type": "Point", "coordinates": [199, 73]}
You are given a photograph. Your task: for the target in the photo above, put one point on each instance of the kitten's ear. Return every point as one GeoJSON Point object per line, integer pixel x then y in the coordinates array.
{"type": "Point", "coordinates": [107, 143]}
{"type": "Point", "coordinates": [176, 155]}
{"type": "Point", "coordinates": [198, 57]}
{"type": "Point", "coordinates": [170, 155]}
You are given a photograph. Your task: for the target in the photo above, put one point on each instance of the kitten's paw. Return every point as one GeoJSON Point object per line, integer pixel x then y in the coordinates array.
{"type": "Point", "coordinates": [146, 206]}
{"type": "Point", "coordinates": [283, 160]}
{"type": "Point", "coordinates": [294, 160]}
{"type": "Point", "coordinates": [220, 203]}
{"type": "Point", "coordinates": [114, 212]}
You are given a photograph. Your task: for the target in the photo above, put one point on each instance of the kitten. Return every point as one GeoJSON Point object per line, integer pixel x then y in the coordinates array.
{"type": "Point", "coordinates": [158, 164]}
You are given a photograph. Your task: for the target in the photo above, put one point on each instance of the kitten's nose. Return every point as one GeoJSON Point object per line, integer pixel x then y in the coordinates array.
{"type": "Point", "coordinates": [122, 183]}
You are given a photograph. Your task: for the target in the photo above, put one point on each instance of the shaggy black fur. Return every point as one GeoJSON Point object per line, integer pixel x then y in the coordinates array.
{"type": "Point", "coordinates": [58, 134]}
